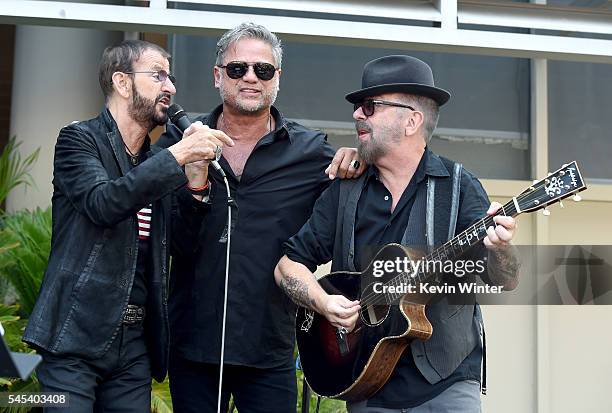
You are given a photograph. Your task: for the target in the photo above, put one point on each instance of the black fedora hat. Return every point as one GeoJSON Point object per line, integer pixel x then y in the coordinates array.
{"type": "Point", "coordinates": [398, 73]}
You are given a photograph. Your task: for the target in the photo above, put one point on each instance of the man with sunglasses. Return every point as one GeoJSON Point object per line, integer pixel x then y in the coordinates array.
{"type": "Point", "coordinates": [100, 321]}
{"type": "Point", "coordinates": [276, 171]}
{"type": "Point", "coordinates": [408, 195]}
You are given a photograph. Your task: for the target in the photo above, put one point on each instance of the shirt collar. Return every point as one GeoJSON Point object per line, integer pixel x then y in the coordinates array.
{"type": "Point", "coordinates": [430, 164]}
{"type": "Point", "coordinates": [281, 130]}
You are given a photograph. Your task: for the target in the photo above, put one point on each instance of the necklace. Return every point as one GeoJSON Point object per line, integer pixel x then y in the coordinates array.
{"type": "Point", "coordinates": [134, 158]}
{"type": "Point", "coordinates": [222, 119]}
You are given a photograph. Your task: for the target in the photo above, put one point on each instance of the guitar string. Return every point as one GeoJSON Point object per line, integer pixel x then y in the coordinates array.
{"type": "Point", "coordinates": [443, 250]}
{"type": "Point", "coordinates": [508, 209]}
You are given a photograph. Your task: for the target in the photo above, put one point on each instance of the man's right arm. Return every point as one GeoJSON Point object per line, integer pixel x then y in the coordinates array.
{"type": "Point", "coordinates": [311, 246]}
{"type": "Point", "coordinates": [300, 284]}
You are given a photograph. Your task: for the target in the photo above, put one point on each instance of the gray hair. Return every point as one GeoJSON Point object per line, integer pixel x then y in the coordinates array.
{"type": "Point", "coordinates": [249, 30]}
{"type": "Point", "coordinates": [121, 58]}
{"type": "Point", "coordinates": [431, 113]}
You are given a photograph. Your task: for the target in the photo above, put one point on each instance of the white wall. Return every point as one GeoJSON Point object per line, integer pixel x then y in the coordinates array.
{"type": "Point", "coordinates": [55, 81]}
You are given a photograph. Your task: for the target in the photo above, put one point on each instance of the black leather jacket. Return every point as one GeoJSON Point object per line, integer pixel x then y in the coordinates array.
{"type": "Point", "coordinates": [94, 246]}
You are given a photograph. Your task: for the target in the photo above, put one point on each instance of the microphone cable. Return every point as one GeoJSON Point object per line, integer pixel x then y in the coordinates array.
{"type": "Point", "coordinates": [230, 201]}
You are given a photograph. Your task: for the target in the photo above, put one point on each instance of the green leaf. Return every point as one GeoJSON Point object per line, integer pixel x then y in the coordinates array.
{"type": "Point", "coordinates": [23, 265]}
{"type": "Point", "coordinates": [14, 170]}
{"type": "Point", "coordinates": [160, 397]}
{"type": "Point", "coordinates": [8, 310]}
{"type": "Point", "coordinates": [18, 386]}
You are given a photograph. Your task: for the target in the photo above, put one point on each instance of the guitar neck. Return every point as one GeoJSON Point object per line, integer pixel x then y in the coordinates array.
{"type": "Point", "coordinates": [558, 185]}
{"type": "Point", "coordinates": [452, 249]}
{"type": "Point", "coordinates": [462, 242]}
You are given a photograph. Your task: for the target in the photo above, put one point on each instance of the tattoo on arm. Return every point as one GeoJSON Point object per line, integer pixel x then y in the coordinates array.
{"type": "Point", "coordinates": [297, 290]}
{"type": "Point", "coordinates": [504, 266]}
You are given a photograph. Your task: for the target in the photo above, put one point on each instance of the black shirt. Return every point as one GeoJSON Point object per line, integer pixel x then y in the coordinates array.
{"type": "Point", "coordinates": [281, 180]}
{"type": "Point", "coordinates": [138, 294]}
{"type": "Point", "coordinates": [375, 226]}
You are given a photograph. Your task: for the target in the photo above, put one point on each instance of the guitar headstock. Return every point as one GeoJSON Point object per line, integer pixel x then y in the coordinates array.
{"type": "Point", "coordinates": [560, 184]}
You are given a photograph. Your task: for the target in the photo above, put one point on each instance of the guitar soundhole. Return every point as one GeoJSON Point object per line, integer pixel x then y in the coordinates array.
{"type": "Point", "coordinates": [373, 314]}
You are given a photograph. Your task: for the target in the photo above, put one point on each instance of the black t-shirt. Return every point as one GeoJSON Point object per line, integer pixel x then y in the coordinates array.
{"type": "Point", "coordinates": [138, 295]}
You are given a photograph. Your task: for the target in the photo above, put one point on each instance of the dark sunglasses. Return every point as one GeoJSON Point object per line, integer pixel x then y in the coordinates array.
{"type": "Point", "coordinates": [368, 105]}
{"type": "Point", "coordinates": [159, 75]}
{"type": "Point", "coordinates": [236, 70]}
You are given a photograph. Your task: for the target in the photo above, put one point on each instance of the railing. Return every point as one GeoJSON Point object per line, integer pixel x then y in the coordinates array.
{"type": "Point", "coordinates": [493, 28]}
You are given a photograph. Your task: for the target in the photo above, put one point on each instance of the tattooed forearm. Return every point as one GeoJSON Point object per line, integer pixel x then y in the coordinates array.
{"type": "Point", "coordinates": [297, 290]}
{"type": "Point", "coordinates": [504, 266]}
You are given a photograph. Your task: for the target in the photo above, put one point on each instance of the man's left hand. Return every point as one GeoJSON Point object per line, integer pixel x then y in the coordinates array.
{"type": "Point", "coordinates": [343, 164]}
{"type": "Point", "coordinates": [503, 232]}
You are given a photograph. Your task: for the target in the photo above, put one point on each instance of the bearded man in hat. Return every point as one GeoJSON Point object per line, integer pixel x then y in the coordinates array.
{"type": "Point", "coordinates": [405, 196]}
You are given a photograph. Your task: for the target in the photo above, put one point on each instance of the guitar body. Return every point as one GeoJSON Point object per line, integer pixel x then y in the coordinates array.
{"type": "Point", "coordinates": [375, 345]}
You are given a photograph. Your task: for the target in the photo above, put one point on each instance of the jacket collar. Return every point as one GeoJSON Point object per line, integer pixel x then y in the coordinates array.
{"type": "Point", "coordinates": [434, 165]}
{"type": "Point", "coordinates": [116, 141]}
{"type": "Point", "coordinates": [280, 132]}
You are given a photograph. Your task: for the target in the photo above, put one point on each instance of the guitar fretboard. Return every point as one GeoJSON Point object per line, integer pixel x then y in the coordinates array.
{"type": "Point", "coordinates": [450, 250]}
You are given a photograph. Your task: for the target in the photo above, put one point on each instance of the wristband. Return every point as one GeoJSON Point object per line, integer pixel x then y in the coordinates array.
{"type": "Point", "coordinates": [200, 190]}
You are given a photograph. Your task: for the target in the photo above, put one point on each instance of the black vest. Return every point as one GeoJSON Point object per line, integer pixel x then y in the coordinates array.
{"type": "Point", "coordinates": [457, 329]}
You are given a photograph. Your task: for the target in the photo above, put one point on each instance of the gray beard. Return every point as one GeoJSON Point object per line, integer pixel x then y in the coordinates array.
{"type": "Point", "coordinates": [370, 151]}
{"type": "Point", "coordinates": [267, 101]}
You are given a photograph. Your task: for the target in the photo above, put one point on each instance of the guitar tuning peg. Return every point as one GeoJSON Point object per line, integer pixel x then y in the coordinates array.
{"type": "Point", "coordinates": [577, 198]}
{"type": "Point", "coordinates": [561, 204]}
{"type": "Point", "coordinates": [546, 212]}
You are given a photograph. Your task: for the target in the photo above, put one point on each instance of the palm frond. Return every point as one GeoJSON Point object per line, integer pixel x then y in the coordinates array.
{"type": "Point", "coordinates": [24, 264]}
{"type": "Point", "coordinates": [14, 170]}
{"type": "Point", "coordinates": [29, 386]}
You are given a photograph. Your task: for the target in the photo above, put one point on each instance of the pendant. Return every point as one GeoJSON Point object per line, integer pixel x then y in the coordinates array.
{"type": "Point", "coordinates": [134, 160]}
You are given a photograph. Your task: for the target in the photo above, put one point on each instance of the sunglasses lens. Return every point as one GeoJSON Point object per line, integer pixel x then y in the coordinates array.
{"type": "Point", "coordinates": [236, 70]}
{"type": "Point", "coordinates": [367, 107]}
{"type": "Point", "coordinates": [264, 71]}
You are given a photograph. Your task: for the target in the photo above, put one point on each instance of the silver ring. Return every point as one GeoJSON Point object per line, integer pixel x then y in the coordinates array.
{"type": "Point", "coordinates": [355, 164]}
{"type": "Point", "coordinates": [218, 151]}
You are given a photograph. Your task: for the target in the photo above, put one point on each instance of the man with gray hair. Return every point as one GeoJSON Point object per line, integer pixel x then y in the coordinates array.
{"type": "Point", "coordinates": [276, 171]}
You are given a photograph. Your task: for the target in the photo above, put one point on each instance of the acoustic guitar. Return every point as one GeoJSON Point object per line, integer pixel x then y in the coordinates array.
{"type": "Point", "coordinates": [343, 365]}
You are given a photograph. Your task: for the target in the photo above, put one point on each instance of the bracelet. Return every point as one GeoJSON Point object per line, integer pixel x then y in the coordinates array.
{"type": "Point", "coordinates": [200, 190]}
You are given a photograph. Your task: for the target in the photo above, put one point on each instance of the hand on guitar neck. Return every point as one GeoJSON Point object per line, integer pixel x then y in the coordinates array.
{"type": "Point", "coordinates": [502, 258]}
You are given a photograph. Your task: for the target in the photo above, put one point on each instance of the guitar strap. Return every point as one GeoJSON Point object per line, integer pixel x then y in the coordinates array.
{"type": "Point", "coordinates": [454, 211]}
{"type": "Point", "coordinates": [451, 233]}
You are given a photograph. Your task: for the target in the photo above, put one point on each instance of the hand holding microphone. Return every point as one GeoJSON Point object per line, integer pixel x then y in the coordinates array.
{"type": "Point", "coordinates": [199, 143]}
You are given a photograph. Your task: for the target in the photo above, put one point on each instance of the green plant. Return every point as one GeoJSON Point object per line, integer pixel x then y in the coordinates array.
{"type": "Point", "coordinates": [25, 240]}
{"type": "Point", "coordinates": [13, 329]}
{"type": "Point", "coordinates": [160, 397]}
{"type": "Point", "coordinates": [14, 170]}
